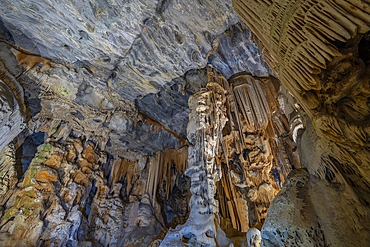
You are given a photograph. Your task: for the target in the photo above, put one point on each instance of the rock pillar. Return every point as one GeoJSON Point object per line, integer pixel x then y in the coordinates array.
{"type": "Point", "coordinates": [206, 121]}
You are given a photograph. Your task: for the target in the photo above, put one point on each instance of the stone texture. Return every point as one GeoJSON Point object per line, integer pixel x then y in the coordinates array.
{"type": "Point", "coordinates": [295, 210]}
{"type": "Point", "coordinates": [237, 53]}
{"type": "Point", "coordinates": [254, 237]}
{"type": "Point", "coordinates": [8, 173]}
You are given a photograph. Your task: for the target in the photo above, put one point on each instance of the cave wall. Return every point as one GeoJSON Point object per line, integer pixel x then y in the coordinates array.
{"type": "Point", "coordinates": [130, 197]}
{"type": "Point", "coordinates": [13, 113]}
{"type": "Point", "coordinates": [319, 51]}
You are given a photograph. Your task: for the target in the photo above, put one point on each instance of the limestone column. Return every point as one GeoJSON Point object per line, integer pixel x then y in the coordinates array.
{"type": "Point", "coordinates": [206, 121]}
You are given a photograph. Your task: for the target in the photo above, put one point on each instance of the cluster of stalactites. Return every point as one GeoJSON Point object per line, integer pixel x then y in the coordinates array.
{"type": "Point", "coordinates": [163, 165]}
{"type": "Point", "coordinates": [166, 165]}
{"type": "Point", "coordinates": [253, 109]}
{"type": "Point", "coordinates": [300, 37]}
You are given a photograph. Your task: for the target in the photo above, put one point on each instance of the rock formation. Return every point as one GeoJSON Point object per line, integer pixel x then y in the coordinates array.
{"type": "Point", "coordinates": [173, 123]}
{"type": "Point", "coordinates": [207, 118]}
{"type": "Point", "coordinates": [319, 50]}
{"type": "Point", "coordinates": [8, 178]}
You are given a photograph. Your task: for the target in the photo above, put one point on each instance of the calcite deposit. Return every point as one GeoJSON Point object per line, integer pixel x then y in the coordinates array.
{"type": "Point", "coordinates": [184, 123]}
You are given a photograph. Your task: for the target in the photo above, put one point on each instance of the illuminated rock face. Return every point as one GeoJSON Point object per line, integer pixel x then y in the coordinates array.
{"type": "Point", "coordinates": [75, 194]}
{"type": "Point", "coordinates": [12, 122]}
{"type": "Point", "coordinates": [8, 178]}
{"type": "Point", "coordinates": [319, 50]}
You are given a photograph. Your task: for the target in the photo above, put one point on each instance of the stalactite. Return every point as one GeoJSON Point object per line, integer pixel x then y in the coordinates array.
{"type": "Point", "coordinates": [166, 165]}
{"type": "Point", "coordinates": [303, 44]}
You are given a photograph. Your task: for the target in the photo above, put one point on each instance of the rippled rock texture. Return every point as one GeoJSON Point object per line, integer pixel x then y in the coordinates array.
{"type": "Point", "coordinates": [130, 99]}
{"type": "Point", "coordinates": [87, 62]}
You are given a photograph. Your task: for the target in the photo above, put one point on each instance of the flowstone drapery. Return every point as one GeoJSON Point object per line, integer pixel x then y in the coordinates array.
{"type": "Point", "coordinates": [259, 151]}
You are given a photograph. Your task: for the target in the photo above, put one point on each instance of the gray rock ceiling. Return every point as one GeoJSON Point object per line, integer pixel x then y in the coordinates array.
{"type": "Point", "coordinates": [132, 47]}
